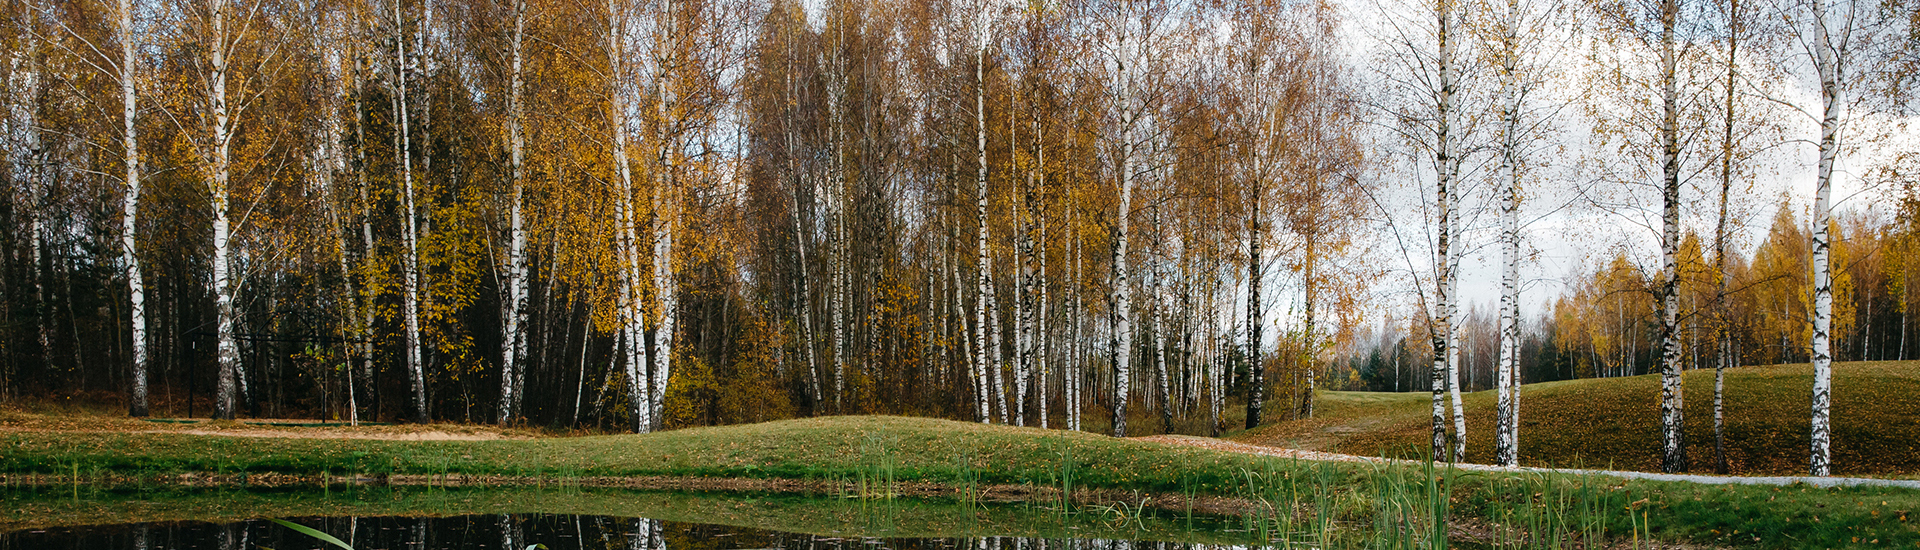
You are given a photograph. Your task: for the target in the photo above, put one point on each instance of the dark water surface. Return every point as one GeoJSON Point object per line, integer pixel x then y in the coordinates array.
{"type": "Point", "coordinates": [382, 518]}
{"type": "Point", "coordinates": [514, 532]}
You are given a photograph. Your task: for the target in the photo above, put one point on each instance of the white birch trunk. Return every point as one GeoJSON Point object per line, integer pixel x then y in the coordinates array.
{"type": "Point", "coordinates": [1508, 367]}
{"type": "Point", "coordinates": [837, 261]}
{"type": "Point", "coordinates": [229, 352]}
{"type": "Point", "coordinates": [1827, 60]}
{"type": "Point", "coordinates": [1159, 324]}
{"type": "Point", "coordinates": [1256, 368]}
{"type": "Point", "coordinates": [805, 330]}
{"type": "Point", "coordinates": [1674, 452]}
{"type": "Point", "coordinates": [662, 213]}
{"type": "Point", "coordinates": [1453, 334]}
{"type": "Point", "coordinates": [1036, 349]}
{"type": "Point", "coordinates": [1442, 326]}
{"type": "Point", "coordinates": [1507, 373]}
{"type": "Point", "coordinates": [997, 359]}
{"type": "Point", "coordinates": [364, 298]}
{"type": "Point", "coordinates": [1043, 322]}
{"type": "Point", "coordinates": [514, 339]}
{"type": "Point", "coordinates": [1023, 319]}
{"type": "Point", "coordinates": [1121, 354]}
{"type": "Point", "coordinates": [984, 312]}
{"type": "Point", "coordinates": [1078, 317]}
{"type": "Point", "coordinates": [130, 206]}
{"type": "Point", "coordinates": [410, 223]}
{"type": "Point", "coordinates": [631, 316]}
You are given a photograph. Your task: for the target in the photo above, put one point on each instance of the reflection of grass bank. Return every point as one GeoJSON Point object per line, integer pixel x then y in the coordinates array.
{"type": "Point", "coordinates": [795, 514]}
{"type": "Point", "coordinates": [880, 456]}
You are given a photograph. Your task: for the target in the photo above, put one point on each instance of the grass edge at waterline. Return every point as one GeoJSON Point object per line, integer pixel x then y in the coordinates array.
{"type": "Point", "coordinates": [878, 451]}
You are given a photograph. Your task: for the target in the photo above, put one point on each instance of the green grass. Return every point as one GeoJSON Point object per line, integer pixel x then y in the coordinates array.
{"type": "Point", "coordinates": [969, 454]}
{"type": "Point", "coordinates": [1614, 423]}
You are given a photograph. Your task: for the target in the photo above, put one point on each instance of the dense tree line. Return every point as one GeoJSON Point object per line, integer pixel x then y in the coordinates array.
{"type": "Point", "coordinates": [641, 214]}
{"type": "Point", "coordinates": [660, 213]}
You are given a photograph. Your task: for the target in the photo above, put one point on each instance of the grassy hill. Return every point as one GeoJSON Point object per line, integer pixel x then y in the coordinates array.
{"type": "Point", "coordinates": [833, 453]}
{"type": "Point", "coordinates": [1614, 422]}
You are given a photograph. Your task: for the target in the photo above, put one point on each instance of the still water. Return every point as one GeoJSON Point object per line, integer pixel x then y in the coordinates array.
{"type": "Point", "coordinates": [515, 532]}
{"type": "Point", "coordinates": [431, 518]}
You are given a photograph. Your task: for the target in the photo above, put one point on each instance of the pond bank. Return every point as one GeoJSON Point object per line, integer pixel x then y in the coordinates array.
{"type": "Point", "coordinates": [829, 455]}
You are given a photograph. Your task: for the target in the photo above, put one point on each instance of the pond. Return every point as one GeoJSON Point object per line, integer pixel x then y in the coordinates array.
{"type": "Point", "coordinates": [414, 518]}
{"type": "Point", "coordinates": [517, 532]}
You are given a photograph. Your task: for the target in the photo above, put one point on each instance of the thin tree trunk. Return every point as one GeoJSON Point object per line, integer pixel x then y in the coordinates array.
{"type": "Point", "coordinates": [1507, 431]}
{"type": "Point", "coordinates": [1723, 334]}
{"type": "Point", "coordinates": [410, 224]}
{"type": "Point", "coordinates": [514, 340]}
{"type": "Point", "coordinates": [661, 213]}
{"type": "Point", "coordinates": [328, 163]}
{"type": "Point", "coordinates": [1442, 326]}
{"type": "Point", "coordinates": [30, 165]}
{"type": "Point", "coordinates": [130, 206]}
{"type": "Point", "coordinates": [630, 316]}
{"type": "Point", "coordinates": [983, 267]}
{"type": "Point", "coordinates": [1159, 325]}
{"type": "Point", "coordinates": [1307, 343]}
{"type": "Point", "coordinates": [1256, 369]}
{"type": "Point", "coordinates": [1023, 318]}
{"type": "Point", "coordinates": [1077, 344]}
{"type": "Point", "coordinates": [363, 299]}
{"type": "Point", "coordinates": [1121, 298]}
{"type": "Point", "coordinates": [805, 329]}
{"type": "Point", "coordinates": [1827, 61]}
{"type": "Point", "coordinates": [229, 353]}
{"type": "Point", "coordinates": [837, 257]}
{"type": "Point", "coordinates": [1674, 455]}
{"type": "Point", "coordinates": [1454, 338]}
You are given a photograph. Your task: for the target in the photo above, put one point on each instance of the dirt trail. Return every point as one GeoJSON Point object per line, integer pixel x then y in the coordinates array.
{"type": "Point", "coordinates": [1823, 482]}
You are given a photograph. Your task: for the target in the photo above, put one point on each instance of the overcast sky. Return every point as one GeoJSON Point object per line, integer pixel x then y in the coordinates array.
{"type": "Point", "coordinates": [1566, 241]}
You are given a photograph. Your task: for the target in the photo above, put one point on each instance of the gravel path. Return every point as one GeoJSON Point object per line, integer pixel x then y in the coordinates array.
{"type": "Point", "coordinates": [1823, 482]}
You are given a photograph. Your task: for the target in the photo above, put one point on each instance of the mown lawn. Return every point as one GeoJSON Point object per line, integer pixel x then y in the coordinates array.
{"type": "Point", "coordinates": [1614, 422]}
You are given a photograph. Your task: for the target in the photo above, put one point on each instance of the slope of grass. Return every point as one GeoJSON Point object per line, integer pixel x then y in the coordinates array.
{"type": "Point", "coordinates": [1614, 422]}
{"type": "Point", "coordinates": [960, 453]}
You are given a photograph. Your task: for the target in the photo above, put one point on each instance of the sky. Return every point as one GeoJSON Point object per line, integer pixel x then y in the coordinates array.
{"type": "Point", "coordinates": [1568, 235]}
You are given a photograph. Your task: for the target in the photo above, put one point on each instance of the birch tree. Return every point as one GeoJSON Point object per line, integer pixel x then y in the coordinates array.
{"type": "Point", "coordinates": [628, 251]}
{"type": "Point", "coordinates": [216, 162]}
{"type": "Point", "coordinates": [986, 308]}
{"type": "Point", "coordinates": [404, 67]}
{"type": "Point", "coordinates": [662, 208]}
{"type": "Point", "coordinates": [123, 70]}
{"type": "Point", "coordinates": [513, 338]}
{"type": "Point", "coordinates": [130, 205]}
{"type": "Point", "coordinates": [28, 155]}
{"type": "Point", "coordinates": [1135, 45]}
{"type": "Point", "coordinates": [1425, 82]}
{"type": "Point", "coordinates": [1514, 39]}
{"type": "Point", "coordinates": [1829, 62]}
{"type": "Point", "coordinates": [1649, 49]}
{"type": "Point", "coordinates": [1446, 162]}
